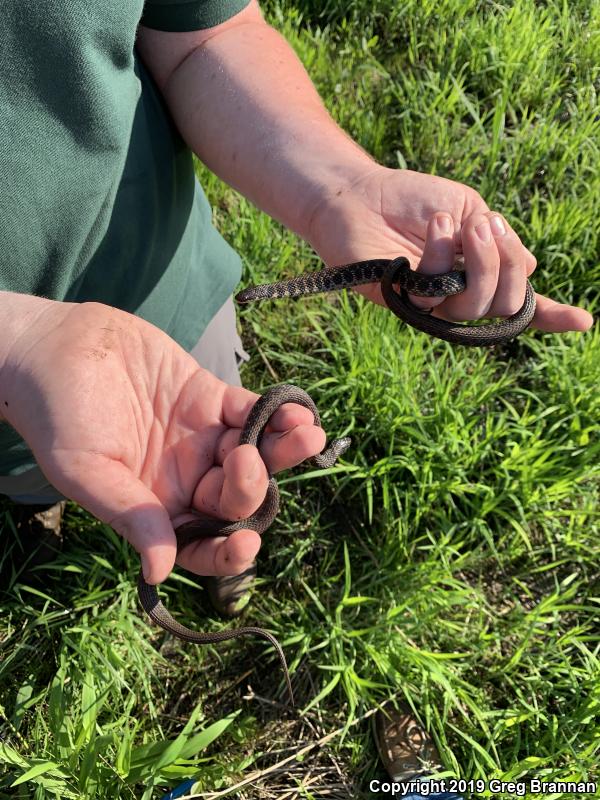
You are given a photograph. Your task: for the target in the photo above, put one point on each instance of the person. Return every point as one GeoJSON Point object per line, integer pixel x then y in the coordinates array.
{"type": "Point", "coordinates": [119, 383]}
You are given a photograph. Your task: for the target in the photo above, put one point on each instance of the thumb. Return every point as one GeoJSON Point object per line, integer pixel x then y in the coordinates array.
{"type": "Point", "coordinates": [555, 317]}
{"type": "Point", "coordinates": [109, 490]}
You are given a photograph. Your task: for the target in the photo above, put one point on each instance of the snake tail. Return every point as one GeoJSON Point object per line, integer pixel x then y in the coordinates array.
{"type": "Point", "coordinates": [159, 614]}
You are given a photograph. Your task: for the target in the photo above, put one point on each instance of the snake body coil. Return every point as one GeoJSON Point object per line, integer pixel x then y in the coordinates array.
{"type": "Point", "coordinates": [204, 527]}
{"type": "Point", "coordinates": [389, 272]}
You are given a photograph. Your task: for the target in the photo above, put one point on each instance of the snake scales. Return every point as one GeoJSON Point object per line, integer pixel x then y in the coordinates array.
{"type": "Point", "coordinates": [252, 433]}
{"type": "Point", "coordinates": [388, 273]}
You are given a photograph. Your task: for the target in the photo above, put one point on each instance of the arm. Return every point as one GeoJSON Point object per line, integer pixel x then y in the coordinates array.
{"type": "Point", "coordinates": [246, 106]}
{"type": "Point", "coordinates": [244, 103]}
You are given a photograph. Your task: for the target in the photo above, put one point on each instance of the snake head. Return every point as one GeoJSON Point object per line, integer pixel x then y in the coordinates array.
{"type": "Point", "coordinates": [331, 454]}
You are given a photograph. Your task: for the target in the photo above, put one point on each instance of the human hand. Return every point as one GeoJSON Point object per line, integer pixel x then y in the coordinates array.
{"type": "Point", "coordinates": [124, 422]}
{"type": "Point", "coordinates": [431, 220]}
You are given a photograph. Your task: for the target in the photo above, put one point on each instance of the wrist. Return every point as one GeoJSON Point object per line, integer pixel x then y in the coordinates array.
{"type": "Point", "coordinates": [341, 215]}
{"type": "Point", "coordinates": [23, 319]}
{"type": "Point", "coordinates": [331, 184]}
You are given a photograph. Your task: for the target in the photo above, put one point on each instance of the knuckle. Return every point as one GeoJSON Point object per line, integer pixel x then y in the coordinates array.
{"type": "Point", "coordinates": [506, 306]}
{"type": "Point", "coordinates": [463, 314]}
{"type": "Point", "coordinates": [479, 306]}
{"type": "Point", "coordinates": [422, 303]}
{"type": "Point", "coordinates": [122, 524]}
{"type": "Point", "coordinates": [515, 306]}
{"type": "Point", "coordinates": [477, 218]}
{"type": "Point", "coordinates": [475, 200]}
{"type": "Point", "coordinates": [482, 311]}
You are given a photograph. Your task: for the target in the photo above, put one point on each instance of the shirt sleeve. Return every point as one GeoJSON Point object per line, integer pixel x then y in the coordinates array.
{"type": "Point", "coordinates": [189, 15]}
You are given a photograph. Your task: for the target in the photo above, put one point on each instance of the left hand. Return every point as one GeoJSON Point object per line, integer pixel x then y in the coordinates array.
{"type": "Point", "coordinates": [124, 422]}
{"type": "Point", "coordinates": [429, 220]}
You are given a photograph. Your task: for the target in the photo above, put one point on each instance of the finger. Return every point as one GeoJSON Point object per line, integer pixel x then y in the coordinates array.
{"type": "Point", "coordinates": [482, 263]}
{"type": "Point", "coordinates": [236, 405]}
{"type": "Point", "coordinates": [438, 255]}
{"type": "Point", "coordinates": [221, 555]}
{"type": "Point", "coordinates": [530, 262]}
{"type": "Point", "coordinates": [292, 447]}
{"type": "Point", "coordinates": [512, 277]}
{"type": "Point", "coordinates": [235, 490]}
{"type": "Point", "coordinates": [207, 494]}
{"type": "Point", "coordinates": [529, 259]}
{"type": "Point", "coordinates": [279, 450]}
{"type": "Point", "coordinates": [238, 402]}
{"type": "Point", "coordinates": [245, 483]}
{"type": "Point", "coordinates": [555, 317]}
{"type": "Point", "coordinates": [114, 495]}
{"type": "Point", "coordinates": [290, 415]}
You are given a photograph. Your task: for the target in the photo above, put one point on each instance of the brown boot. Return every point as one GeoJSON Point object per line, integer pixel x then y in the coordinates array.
{"type": "Point", "coordinates": [39, 537]}
{"type": "Point", "coordinates": [405, 748]}
{"type": "Point", "coordinates": [231, 594]}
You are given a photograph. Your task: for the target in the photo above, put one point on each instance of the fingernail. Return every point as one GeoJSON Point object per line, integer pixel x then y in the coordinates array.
{"type": "Point", "coordinates": [498, 226]}
{"type": "Point", "coordinates": [484, 232]}
{"type": "Point", "coordinates": [444, 223]}
{"type": "Point", "coordinates": [145, 567]}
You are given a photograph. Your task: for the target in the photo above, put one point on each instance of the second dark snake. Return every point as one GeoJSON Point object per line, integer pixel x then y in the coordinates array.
{"type": "Point", "coordinates": [389, 272]}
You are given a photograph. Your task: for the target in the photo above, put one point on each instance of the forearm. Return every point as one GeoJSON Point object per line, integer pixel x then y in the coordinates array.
{"type": "Point", "coordinates": [19, 314]}
{"type": "Point", "coordinates": [246, 106]}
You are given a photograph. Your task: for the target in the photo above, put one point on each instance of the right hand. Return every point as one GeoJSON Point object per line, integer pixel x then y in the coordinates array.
{"type": "Point", "coordinates": [124, 422]}
{"type": "Point", "coordinates": [395, 212]}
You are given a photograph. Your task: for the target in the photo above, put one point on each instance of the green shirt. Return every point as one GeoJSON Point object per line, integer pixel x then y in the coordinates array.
{"type": "Point", "coordinates": [98, 199]}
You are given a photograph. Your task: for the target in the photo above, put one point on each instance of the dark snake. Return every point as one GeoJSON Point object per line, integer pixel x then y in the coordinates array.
{"type": "Point", "coordinates": [204, 527]}
{"type": "Point", "coordinates": [388, 273]}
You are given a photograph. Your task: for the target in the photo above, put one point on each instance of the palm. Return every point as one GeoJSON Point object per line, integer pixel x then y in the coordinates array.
{"type": "Point", "coordinates": [123, 421]}
{"type": "Point", "coordinates": [166, 434]}
{"type": "Point", "coordinates": [119, 409]}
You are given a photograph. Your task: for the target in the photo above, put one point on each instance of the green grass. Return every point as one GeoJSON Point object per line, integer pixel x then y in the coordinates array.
{"type": "Point", "coordinates": [453, 557]}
